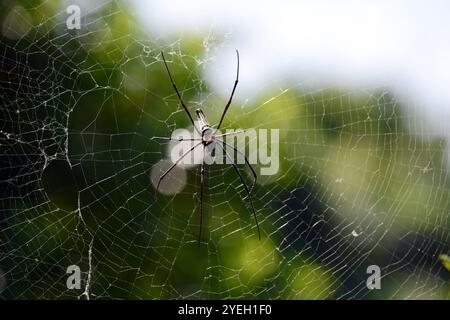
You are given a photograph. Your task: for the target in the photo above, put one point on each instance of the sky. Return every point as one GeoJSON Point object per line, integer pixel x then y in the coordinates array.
{"type": "Point", "coordinates": [401, 45]}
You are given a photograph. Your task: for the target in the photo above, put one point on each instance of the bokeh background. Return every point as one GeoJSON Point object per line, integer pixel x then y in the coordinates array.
{"type": "Point", "coordinates": [357, 89]}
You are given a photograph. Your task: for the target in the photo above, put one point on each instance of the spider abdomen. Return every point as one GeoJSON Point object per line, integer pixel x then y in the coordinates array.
{"type": "Point", "coordinates": [202, 121]}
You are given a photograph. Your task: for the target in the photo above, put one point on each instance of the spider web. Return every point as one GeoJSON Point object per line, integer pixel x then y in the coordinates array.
{"type": "Point", "coordinates": [78, 115]}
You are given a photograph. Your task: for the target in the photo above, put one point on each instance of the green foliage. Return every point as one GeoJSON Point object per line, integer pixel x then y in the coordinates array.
{"type": "Point", "coordinates": [115, 95]}
{"type": "Point", "coordinates": [445, 259]}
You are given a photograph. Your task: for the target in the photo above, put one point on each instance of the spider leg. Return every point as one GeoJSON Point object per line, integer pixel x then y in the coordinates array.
{"type": "Point", "coordinates": [246, 161]}
{"type": "Point", "coordinates": [176, 90]}
{"type": "Point", "coordinates": [231, 133]}
{"type": "Point", "coordinates": [202, 177]}
{"type": "Point", "coordinates": [179, 139]}
{"type": "Point", "coordinates": [232, 92]}
{"type": "Point", "coordinates": [176, 162]}
{"type": "Point", "coordinates": [246, 189]}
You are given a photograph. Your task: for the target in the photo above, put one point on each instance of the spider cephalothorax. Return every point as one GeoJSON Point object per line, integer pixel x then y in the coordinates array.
{"type": "Point", "coordinates": [209, 138]}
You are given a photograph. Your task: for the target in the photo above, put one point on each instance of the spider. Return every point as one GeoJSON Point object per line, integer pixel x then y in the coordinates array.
{"type": "Point", "coordinates": [209, 139]}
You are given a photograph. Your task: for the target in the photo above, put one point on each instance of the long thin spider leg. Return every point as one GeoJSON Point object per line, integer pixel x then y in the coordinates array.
{"type": "Point", "coordinates": [246, 189]}
{"type": "Point", "coordinates": [176, 162]}
{"type": "Point", "coordinates": [232, 92]}
{"type": "Point", "coordinates": [202, 177]}
{"type": "Point", "coordinates": [230, 133]}
{"type": "Point", "coordinates": [246, 161]}
{"type": "Point", "coordinates": [175, 139]}
{"type": "Point", "coordinates": [176, 90]}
